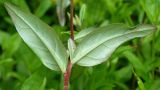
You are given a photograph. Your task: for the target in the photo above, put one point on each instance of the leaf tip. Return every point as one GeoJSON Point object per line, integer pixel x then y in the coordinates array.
{"type": "Point", "coordinates": [155, 27]}
{"type": "Point", "coordinates": [7, 4]}
{"type": "Point", "coordinates": [148, 26]}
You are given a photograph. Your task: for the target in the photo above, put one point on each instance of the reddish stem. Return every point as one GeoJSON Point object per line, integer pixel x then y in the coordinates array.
{"type": "Point", "coordinates": [69, 66]}
{"type": "Point", "coordinates": [67, 75]}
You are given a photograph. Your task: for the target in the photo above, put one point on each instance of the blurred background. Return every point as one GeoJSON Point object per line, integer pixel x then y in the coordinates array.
{"type": "Point", "coordinates": [134, 66]}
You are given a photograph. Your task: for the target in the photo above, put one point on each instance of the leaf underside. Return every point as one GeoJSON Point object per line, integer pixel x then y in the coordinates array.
{"type": "Point", "coordinates": [40, 37]}
{"type": "Point", "coordinates": [98, 46]}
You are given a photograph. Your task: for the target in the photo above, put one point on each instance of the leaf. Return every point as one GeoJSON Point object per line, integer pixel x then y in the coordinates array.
{"type": "Point", "coordinates": [94, 13]}
{"type": "Point", "coordinates": [134, 60]}
{"type": "Point", "coordinates": [3, 36]}
{"type": "Point", "coordinates": [139, 81]}
{"type": "Point", "coordinates": [82, 12]}
{"type": "Point", "coordinates": [80, 36]}
{"type": "Point", "coordinates": [100, 44]}
{"type": "Point", "coordinates": [22, 4]}
{"type": "Point", "coordinates": [122, 72]}
{"type": "Point", "coordinates": [43, 7]}
{"type": "Point", "coordinates": [154, 85]}
{"type": "Point", "coordinates": [27, 58]}
{"type": "Point", "coordinates": [71, 47]}
{"type": "Point", "coordinates": [19, 3]}
{"type": "Point", "coordinates": [61, 6]}
{"type": "Point", "coordinates": [77, 21]}
{"type": "Point", "coordinates": [37, 81]}
{"type": "Point", "coordinates": [140, 67]}
{"type": "Point", "coordinates": [41, 38]}
{"type": "Point", "coordinates": [152, 12]}
{"type": "Point", "coordinates": [11, 45]}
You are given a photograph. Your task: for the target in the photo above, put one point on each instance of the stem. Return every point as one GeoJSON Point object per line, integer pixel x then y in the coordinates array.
{"type": "Point", "coordinates": [67, 75]}
{"type": "Point", "coordinates": [69, 66]}
{"type": "Point", "coordinates": [71, 20]}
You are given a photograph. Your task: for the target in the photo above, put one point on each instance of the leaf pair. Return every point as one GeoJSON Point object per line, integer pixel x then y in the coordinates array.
{"type": "Point", "coordinates": [96, 45]}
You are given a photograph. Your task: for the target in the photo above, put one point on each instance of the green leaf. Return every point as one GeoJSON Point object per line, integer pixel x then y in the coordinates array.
{"type": "Point", "coordinates": [77, 21]}
{"type": "Point", "coordinates": [22, 4]}
{"type": "Point", "coordinates": [27, 58]}
{"type": "Point", "coordinates": [71, 47]}
{"type": "Point", "coordinates": [122, 72]}
{"type": "Point", "coordinates": [82, 12]}
{"type": "Point", "coordinates": [94, 13]}
{"type": "Point", "coordinates": [152, 12]}
{"type": "Point", "coordinates": [43, 7]}
{"type": "Point", "coordinates": [61, 6]}
{"type": "Point", "coordinates": [37, 81]}
{"type": "Point", "coordinates": [134, 60]}
{"type": "Point", "coordinates": [11, 45]}
{"type": "Point", "coordinates": [98, 46]}
{"type": "Point", "coordinates": [3, 37]}
{"type": "Point", "coordinates": [41, 38]}
{"type": "Point", "coordinates": [19, 3]}
{"type": "Point", "coordinates": [154, 85]}
{"type": "Point", "coordinates": [140, 82]}
{"type": "Point", "coordinates": [80, 36]}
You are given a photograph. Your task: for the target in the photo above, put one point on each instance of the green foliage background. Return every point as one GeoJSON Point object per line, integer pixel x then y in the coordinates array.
{"type": "Point", "coordinates": [134, 66]}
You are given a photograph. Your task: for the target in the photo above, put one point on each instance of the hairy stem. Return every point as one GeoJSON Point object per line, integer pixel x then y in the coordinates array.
{"type": "Point", "coordinates": [69, 66]}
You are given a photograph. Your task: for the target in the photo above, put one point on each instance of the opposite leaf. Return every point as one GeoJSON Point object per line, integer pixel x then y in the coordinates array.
{"type": "Point", "coordinates": [41, 38]}
{"type": "Point", "coordinates": [98, 46]}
